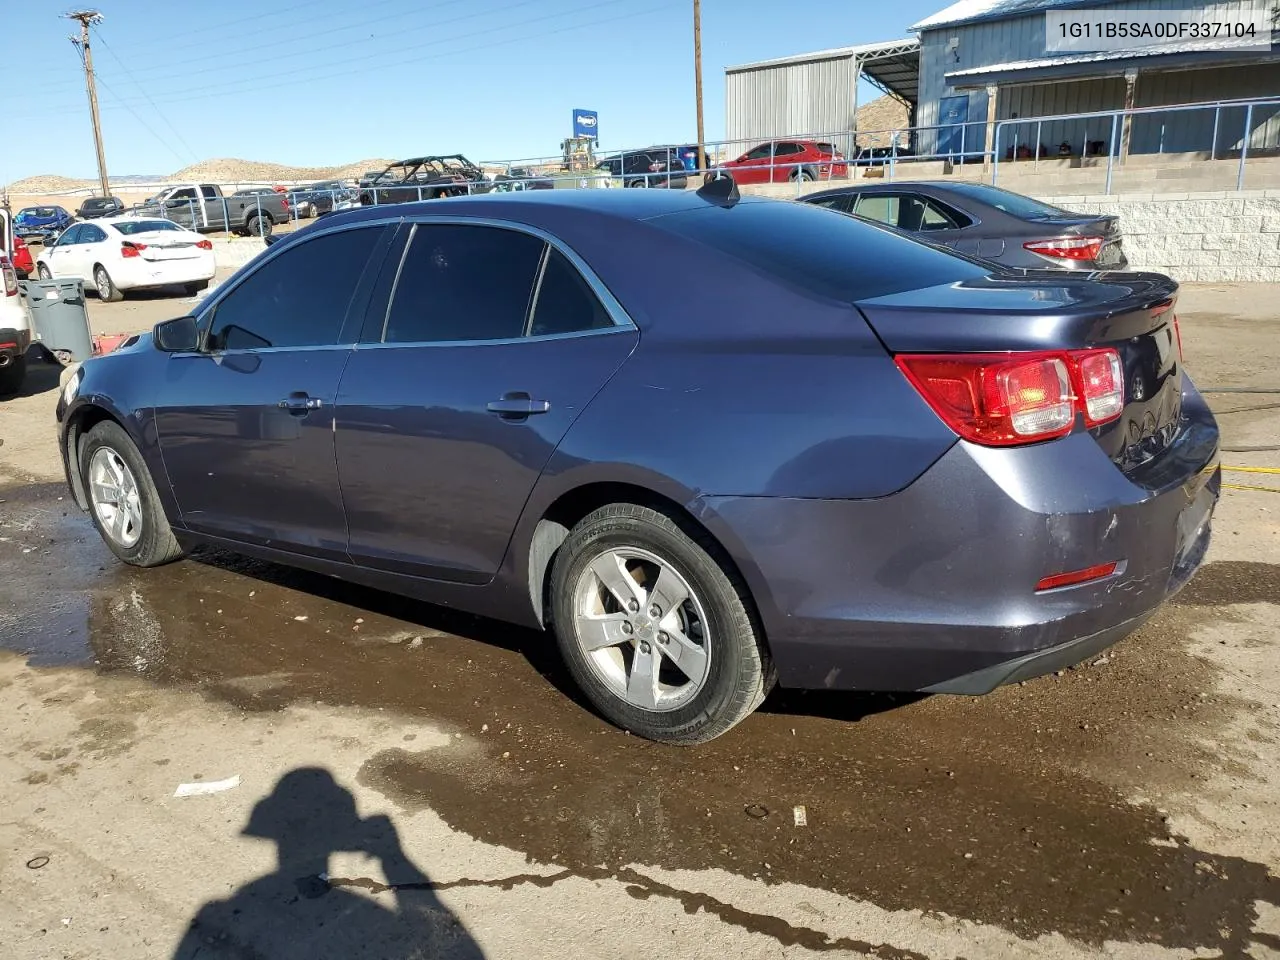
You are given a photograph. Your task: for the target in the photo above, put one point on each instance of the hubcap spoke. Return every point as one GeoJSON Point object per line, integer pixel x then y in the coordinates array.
{"type": "Point", "coordinates": [105, 492]}
{"type": "Point", "coordinates": [119, 522]}
{"type": "Point", "coordinates": [612, 572]}
{"type": "Point", "coordinates": [642, 682]}
{"type": "Point", "coordinates": [668, 594]}
{"type": "Point", "coordinates": [597, 632]}
{"type": "Point", "coordinates": [113, 491]}
{"type": "Point", "coordinates": [688, 656]}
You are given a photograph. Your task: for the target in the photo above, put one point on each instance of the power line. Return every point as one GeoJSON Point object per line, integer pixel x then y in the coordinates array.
{"type": "Point", "coordinates": [141, 89]}
{"type": "Point", "coordinates": [146, 126]}
{"type": "Point", "coordinates": [254, 83]}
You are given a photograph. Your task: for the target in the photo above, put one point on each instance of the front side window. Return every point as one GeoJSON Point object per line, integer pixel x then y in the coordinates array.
{"type": "Point", "coordinates": [762, 152]}
{"type": "Point", "coordinates": [71, 236]}
{"type": "Point", "coordinates": [463, 283]}
{"type": "Point", "coordinates": [841, 202]}
{"type": "Point", "coordinates": [91, 234]}
{"type": "Point", "coordinates": [297, 299]}
{"type": "Point", "coordinates": [188, 193]}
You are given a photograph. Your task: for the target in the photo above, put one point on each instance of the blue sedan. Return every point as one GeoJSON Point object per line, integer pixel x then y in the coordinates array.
{"type": "Point", "coordinates": [41, 223]}
{"type": "Point", "coordinates": [709, 443]}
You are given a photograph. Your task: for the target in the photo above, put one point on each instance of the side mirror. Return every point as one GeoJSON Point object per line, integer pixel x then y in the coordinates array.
{"type": "Point", "coordinates": [274, 238]}
{"type": "Point", "coordinates": [177, 336]}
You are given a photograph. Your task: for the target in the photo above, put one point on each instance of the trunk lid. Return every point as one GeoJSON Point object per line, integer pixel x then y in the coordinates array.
{"type": "Point", "coordinates": [166, 245]}
{"type": "Point", "coordinates": [1054, 310]}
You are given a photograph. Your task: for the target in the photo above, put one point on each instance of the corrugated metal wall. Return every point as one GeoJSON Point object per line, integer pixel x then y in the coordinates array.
{"type": "Point", "coordinates": [1022, 38]}
{"type": "Point", "coordinates": [790, 99]}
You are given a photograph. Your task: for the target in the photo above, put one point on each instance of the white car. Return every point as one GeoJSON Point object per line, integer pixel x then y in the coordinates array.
{"type": "Point", "coordinates": [115, 254]}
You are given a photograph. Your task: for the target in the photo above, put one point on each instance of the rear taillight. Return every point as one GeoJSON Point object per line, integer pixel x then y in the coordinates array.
{"type": "Point", "coordinates": [130, 249]}
{"type": "Point", "coordinates": [204, 245]}
{"type": "Point", "coordinates": [1068, 248]}
{"type": "Point", "coordinates": [1100, 382]}
{"type": "Point", "coordinates": [1006, 399]}
{"type": "Point", "coordinates": [10, 277]}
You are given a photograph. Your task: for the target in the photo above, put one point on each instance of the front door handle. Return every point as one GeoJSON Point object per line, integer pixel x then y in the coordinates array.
{"type": "Point", "coordinates": [300, 403]}
{"type": "Point", "coordinates": [518, 406]}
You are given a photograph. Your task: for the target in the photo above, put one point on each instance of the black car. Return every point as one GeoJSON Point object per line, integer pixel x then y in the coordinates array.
{"type": "Point", "coordinates": [659, 167]}
{"type": "Point", "coordinates": [320, 198]}
{"type": "Point", "coordinates": [985, 221]}
{"type": "Point", "coordinates": [95, 207]}
{"type": "Point", "coordinates": [424, 178]}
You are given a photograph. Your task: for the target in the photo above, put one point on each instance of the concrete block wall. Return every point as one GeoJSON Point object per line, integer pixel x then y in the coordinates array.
{"type": "Point", "coordinates": [1206, 237]}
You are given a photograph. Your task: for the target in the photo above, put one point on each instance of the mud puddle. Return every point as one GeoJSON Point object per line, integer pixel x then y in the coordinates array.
{"type": "Point", "coordinates": [977, 808]}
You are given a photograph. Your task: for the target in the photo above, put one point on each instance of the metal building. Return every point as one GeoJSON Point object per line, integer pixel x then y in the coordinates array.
{"type": "Point", "coordinates": [981, 54]}
{"type": "Point", "coordinates": [978, 49]}
{"type": "Point", "coordinates": [815, 93]}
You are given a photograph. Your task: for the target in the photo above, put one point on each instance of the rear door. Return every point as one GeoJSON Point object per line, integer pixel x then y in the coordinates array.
{"type": "Point", "coordinates": [246, 424]}
{"type": "Point", "coordinates": [493, 344]}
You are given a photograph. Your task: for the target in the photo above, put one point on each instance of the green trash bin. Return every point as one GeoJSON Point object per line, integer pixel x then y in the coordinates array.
{"type": "Point", "coordinates": [59, 320]}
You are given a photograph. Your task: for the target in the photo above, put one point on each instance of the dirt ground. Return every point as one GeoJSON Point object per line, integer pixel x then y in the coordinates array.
{"type": "Point", "coordinates": [414, 783]}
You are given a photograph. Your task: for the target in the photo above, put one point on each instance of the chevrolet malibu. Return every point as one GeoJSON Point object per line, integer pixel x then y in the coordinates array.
{"type": "Point", "coordinates": [711, 443]}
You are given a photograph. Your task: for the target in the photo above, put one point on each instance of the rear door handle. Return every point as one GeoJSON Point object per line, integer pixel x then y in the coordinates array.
{"type": "Point", "coordinates": [518, 406]}
{"type": "Point", "coordinates": [300, 403]}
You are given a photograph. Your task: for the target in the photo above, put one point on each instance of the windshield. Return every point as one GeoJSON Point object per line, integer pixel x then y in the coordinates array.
{"type": "Point", "coordinates": [129, 227]}
{"type": "Point", "coordinates": [1014, 204]}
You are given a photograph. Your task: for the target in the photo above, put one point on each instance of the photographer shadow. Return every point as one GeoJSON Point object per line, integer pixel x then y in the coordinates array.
{"type": "Point", "coordinates": [300, 912]}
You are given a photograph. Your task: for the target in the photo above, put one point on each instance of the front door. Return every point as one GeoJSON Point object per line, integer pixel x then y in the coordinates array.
{"type": "Point", "coordinates": [494, 343]}
{"type": "Point", "coordinates": [246, 424]}
{"type": "Point", "coordinates": [63, 257]}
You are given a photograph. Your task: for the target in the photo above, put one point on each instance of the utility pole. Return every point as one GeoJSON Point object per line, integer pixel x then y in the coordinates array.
{"type": "Point", "coordinates": [697, 75]}
{"type": "Point", "coordinates": [86, 19]}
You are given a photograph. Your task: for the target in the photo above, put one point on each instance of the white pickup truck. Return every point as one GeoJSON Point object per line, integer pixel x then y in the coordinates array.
{"type": "Point", "coordinates": [202, 207]}
{"type": "Point", "coordinates": [15, 326]}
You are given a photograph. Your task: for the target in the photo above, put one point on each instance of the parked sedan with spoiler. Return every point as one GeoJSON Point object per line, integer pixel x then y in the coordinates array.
{"type": "Point", "coordinates": [116, 254]}
{"type": "Point", "coordinates": [985, 221]}
{"type": "Point", "coordinates": [818, 453]}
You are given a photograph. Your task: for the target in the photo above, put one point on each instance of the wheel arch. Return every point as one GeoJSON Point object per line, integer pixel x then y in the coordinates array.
{"type": "Point", "coordinates": [79, 422]}
{"type": "Point", "coordinates": [571, 506]}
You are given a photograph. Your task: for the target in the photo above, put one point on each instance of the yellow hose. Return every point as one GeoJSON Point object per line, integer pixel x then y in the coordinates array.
{"type": "Point", "coordinates": [1275, 470]}
{"type": "Point", "coordinates": [1244, 486]}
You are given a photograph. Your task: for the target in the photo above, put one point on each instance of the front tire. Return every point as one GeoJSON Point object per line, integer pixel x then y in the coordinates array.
{"type": "Point", "coordinates": [123, 500]}
{"type": "Point", "coordinates": [657, 634]}
{"type": "Point", "coordinates": [107, 290]}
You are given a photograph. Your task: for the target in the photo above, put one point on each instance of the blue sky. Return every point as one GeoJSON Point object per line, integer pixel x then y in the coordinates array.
{"type": "Point", "coordinates": [328, 82]}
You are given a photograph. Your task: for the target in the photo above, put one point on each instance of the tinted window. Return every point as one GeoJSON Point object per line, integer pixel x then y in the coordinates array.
{"type": "Point", "coordinates": [840, 202]}
{"type": "Point", "coordinates": [762, 152]}
{"type": "Point", "coordinates": [463, 283]}
{"type": "Point", "coordinates": [91, 234]}
{"type": "Point", "coordinates": [210, 193]}
{"type": "Point", "coordinates": [297, 299]}
{"type": "Point", "coordinates": [70, 236]}
{"type": "Point", "coordinates": [938, 216]}
{"type": "Point", "coordinates": [1011, 203]}
{"type": "Point", "coordinates": [144, 226]}
{"type": "Point", "coordinates": [566, 303]}
{"type": "Point", "coordinates": [882, 207]}
{"type": "Point", "coordinates": [188, 194]}
{"type": "Point", "coordinates": [838, 257]}
{"type": "Point", "coordinates": [788, 150]}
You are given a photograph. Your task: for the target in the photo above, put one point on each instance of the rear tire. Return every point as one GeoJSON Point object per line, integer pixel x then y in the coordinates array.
{"type": "Point", "coordinates": [259, 226]}
{"type": "Point", "coordinates": [125, 508]}
{"type": "Point", "coordinates": [13, 376]}
{"type": "Point", "coordinates": [43, 272]}
{"type": "Point", "coordinates": [802, 176]}
{"type": "Point", "coordinates": [106, 287]}
{"type": "Point", "coordinates": [709, 663]}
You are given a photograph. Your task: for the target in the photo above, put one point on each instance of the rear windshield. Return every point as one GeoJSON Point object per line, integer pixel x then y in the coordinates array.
{"type": "Point", "coordinates": [832, 254]}
{"type": "Point", "coordinates": [128, 227]}
{"type": "Point", "coordinates": [1014, 204]}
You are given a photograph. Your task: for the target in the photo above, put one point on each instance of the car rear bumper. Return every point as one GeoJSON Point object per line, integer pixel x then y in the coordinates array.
{"type": "Point", "coordinates": [136, 272]}
{"type": "Point", "coordinates": [934, 587]}
{"type": "Point", "coordinates": [14, 343]}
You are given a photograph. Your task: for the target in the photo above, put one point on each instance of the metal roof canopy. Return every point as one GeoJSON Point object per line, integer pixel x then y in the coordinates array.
{"type": "Point", "coordinates": [1188, 56]}
{"type": "Point", "coordinates": [892, 66]}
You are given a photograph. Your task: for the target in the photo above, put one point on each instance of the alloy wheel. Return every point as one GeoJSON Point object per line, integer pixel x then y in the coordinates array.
{"type": "Point", "coordinates": [103, 282]}
{"type": "Point", "coordinates": [642, 628]}
{"type": "Point", "coordinates": [113, 491]}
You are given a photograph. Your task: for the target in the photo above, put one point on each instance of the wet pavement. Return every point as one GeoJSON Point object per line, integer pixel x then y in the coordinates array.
{"type": "Point", "coordinates": [1014, 809]}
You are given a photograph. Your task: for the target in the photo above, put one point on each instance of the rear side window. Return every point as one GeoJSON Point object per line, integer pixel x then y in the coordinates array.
{"type": "Point", "coordinates": [566, 303]}
{"type": "Point", "coordinates": [297, 299]}
{"type": "Point", "coordinates": [210, 192]}
{"type": "Point", "coordinates": [463, 283]}
{"type": "Point", "coordinates": [838, 257]}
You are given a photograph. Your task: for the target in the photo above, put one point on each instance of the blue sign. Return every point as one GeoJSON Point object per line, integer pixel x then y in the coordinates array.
{"type": "Point", "coordinates": [586, 123]}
